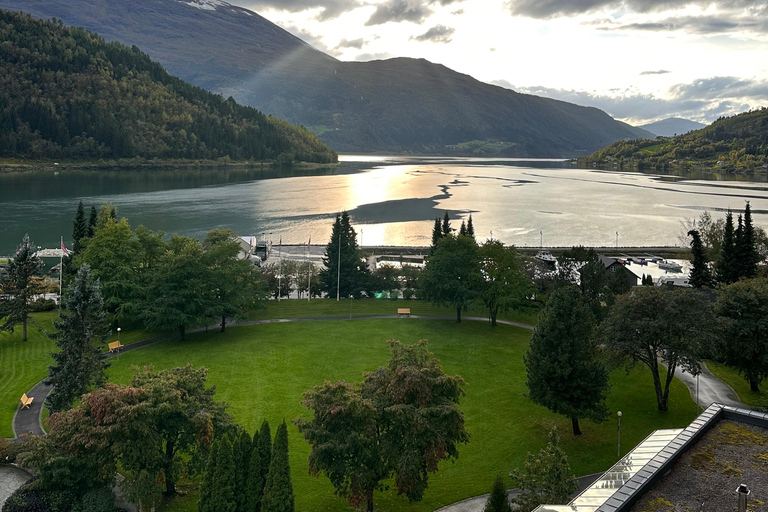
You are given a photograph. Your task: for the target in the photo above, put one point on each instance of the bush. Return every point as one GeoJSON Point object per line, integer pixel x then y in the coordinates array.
{"type": "Point", "coordinates": [393, 295]}
{"type": "Point", "coordinates": [100, 499]}
{"type": "Point", "coordinates": [10, 450]}
{"type": "Point", "coordinates": [409, 293]}
{"type": "Point", "coordinates": [36, 500]}
{"type": "Point", "coordinates": [41, 305]}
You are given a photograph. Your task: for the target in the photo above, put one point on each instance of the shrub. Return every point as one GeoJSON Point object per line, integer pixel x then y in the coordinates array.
{"type": "Point", "coordinates": [100, 499]}
{"type": "Point", "coordinates": [409, 293]}
{"type": "Point", "coordinates": [42, 304]}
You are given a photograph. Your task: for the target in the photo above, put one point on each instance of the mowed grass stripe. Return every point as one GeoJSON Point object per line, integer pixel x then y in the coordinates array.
{"type": "Point", "coordinates": [262, 371]}
{"type": "Point", "coordinates": [22, 365]}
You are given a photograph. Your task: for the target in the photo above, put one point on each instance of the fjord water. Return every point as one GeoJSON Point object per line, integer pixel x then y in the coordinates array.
{"type": "Point", "coordinates": [392, 201]}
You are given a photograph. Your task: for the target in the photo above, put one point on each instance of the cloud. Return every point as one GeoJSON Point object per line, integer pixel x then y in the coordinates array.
{"type": "Point", "coordinates": [702, 100]}
{"type": "Point", "coordinates": [399, 10]}
{"type": "Point", "coordinates": [657, 72]}
{"type": "Point", "coordinates": [311, 39]}
{"type": "Point", "coordinates": [556, 8]}
{"type": "Point", "coordinates": [436, 34]}
{"type": "Point", "coordinates": [354, 43]}
{"type": "Point", "coordinates": [330, 8]}
{"type": "Point", "coordinates": [364, 57]}
{"type": "Point", "coordinates": [458, 12]}
{"type": "Point", "coordinates": [696, 25]}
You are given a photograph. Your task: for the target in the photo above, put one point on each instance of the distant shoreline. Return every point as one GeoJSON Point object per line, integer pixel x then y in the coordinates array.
{"type": "Point", "coordinates": [8, 166]}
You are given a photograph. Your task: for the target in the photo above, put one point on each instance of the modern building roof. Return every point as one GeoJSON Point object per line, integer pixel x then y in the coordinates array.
{"type": "Point", "coordinates": [635, 474]}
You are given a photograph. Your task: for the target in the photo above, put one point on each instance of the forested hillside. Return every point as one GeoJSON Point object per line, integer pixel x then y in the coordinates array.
{"type": "Point", "coordinates": [66, 93]}
{"type": "Point", "coordinates": [738, 144]}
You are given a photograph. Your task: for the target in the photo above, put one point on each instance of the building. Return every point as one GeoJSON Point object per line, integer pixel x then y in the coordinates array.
{"type": "Point", "coordinates": [698, 468]}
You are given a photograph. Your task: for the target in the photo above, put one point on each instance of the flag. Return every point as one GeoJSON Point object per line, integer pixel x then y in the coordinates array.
{"type": "Point", "coordinates": [309, 242]}
{"type": "Point", "coordinates": [64, 248]}
{"type": "Point", "coordinates": [281, 242]}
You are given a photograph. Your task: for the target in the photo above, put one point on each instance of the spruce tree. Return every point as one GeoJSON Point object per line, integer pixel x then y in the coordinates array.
{"type": "Point", "coordinates": [80, 335]}
{"type": "Point", "coordinates": [92, 221]}
{"type": "Point", "coordinates": [470, 227]}
{"type": "Point", "coordinates": [278, 491]}
{"type": "Point", "coordinates": [254, 488]}
{"type": "Point", "coordinates": [437, 234]}
{"type": "Point", "coordinates": [746, 252]}
{"type": "Point", "coordinates": [79, 228]}
{"type": "Point", "coordinates": [354, 276]}
{"type": "Point", "coordinates": [498, 501]}
{"type": "Point", "coordinates": [446, 228]}
{"type": "Point", "coordinates": [241, 451]}
{"type": "Point", "coordinates": [265, 452]}
{"type": "Point", "coordinates": [700, 275]}
{"type": "Point", "coordinates": [563, 368]}
{"type": "Point", "coordinates": [737, 262]}
{"type": "Point", "coordinates": [726, 265]}
{"type": "Point", "coordinates": [207, 486]}
{"type": "Point", "coordinates": [19, 285]}
{"type": "Point", "coordinates": [463, 229]}
{"type": "Point", "coordinates": [223, 494]}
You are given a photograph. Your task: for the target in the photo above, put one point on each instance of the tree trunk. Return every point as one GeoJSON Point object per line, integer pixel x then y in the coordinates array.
{"type": "Point", "coordinates": [575, 424]}
{"type": "Point", "coordinates": [181, 332]}
{"type": "Point", "coordinates": [660, 400]}
{"type": "Point", "coordinates": [458, 315]}
{"type": "Point", "coordinates": [24, 323]}
{"type": "Point", "coordinates": [170, 483]}
{"type": "Point", "coordinates": [754, 386]}
{"type": "Point", "coordinates": [369, 500]}
{"type": "Point", "coordinates": [223, 322]}
{"type": "Point", "coordinates": [494, 314]}
{"type": "Point", "coordinates": [665, 397]}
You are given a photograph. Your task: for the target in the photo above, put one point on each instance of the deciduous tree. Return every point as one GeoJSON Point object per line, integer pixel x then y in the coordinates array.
{"type": "Point", "coordinates": [505, 286]}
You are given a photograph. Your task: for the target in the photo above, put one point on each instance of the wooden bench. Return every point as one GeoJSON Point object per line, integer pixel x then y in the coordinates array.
{"type": "Point", "coordinates": [403, 312]}
{"type": "Point", "coordinates": [115, 345]}
{"type": "Point", "coordinates": [26, 400]}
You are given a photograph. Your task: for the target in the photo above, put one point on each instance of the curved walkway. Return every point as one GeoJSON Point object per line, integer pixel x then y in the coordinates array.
{"type": "Point", "coordinates": [11, 478]}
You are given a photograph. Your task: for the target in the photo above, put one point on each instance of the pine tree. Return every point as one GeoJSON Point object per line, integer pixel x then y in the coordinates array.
{"type": "Point", "coordinates": [241, 451]}
{"type": "Point", "coordinates": [746, 252]}
{"type": "Point", "coordinates": [726, 265]}
{"type": "Point", "coordinates": [254, 488]}
{"type": "Point", "coordinates": [207, 486]}
{"type": "Point", "coordinates": [278, 491]}
{"type": "Point", "coordinates": [564, 372]}
{"type": "Point", "coordinates": [470, 227]}
{"type": "Point", "coordinates": [700, 274]}
{"type": "Point", "coordinates": [343, 253]}
{"type": "Point", "coordinates": [79, 228]}
{"type": "Point", "coordinates": [498, 501]}
{"type": "Point", "coordinates": [92, 221]}
{"type": "Point", "coordinates": [437, 234]}
{"type": "Point", "coordinates": [737, 242]}
{"type": "Point", "coordinates": [19, 285]}
{"type": "Point", "coordinates": [223, 494]}
{"type": "Point", "coordinates": [463, 229]}
{"type": "Point", "coordinates": [265, 452]}
{"type": "Point", "coordinates": [446, 228]}
{"type": "Point", "coordinates": [80, 334]}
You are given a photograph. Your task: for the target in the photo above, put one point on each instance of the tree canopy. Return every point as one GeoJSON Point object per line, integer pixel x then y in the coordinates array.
{"type": "Point", "coordinates": [345, 271]}
{"type": "Point", "coordinates": [19, 285]}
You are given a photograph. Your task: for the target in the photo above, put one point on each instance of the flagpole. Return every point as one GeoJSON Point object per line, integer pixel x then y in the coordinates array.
{"type": "Point", "coordinates": [279, 272]}
{"type": "Point", "coordinates": [338, 267]}
{"type": "Point", "coordinates": [309, 270]}
{"type": "Point", "coordinates": [61, 268]}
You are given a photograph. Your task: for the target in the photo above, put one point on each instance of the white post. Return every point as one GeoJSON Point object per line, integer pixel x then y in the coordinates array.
{"type": "Point", "coordinates": [619, 414]}
{"type": "Point", "coordinates": [338, 267]}
{"type": "Point", "coordinates": [118, 343]}
{"type": "Point", "coordinates": [309, 271]}
{"type": "Point", "coordinates": [61, 268]}
{"type": "Point", "coordinates": [280, 270]}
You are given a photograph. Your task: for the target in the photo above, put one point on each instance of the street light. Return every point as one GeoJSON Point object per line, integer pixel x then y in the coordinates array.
{"type": "Point", "coordinates": [118, 343]}
{"type": "Point", "coordinates": [619, 415]}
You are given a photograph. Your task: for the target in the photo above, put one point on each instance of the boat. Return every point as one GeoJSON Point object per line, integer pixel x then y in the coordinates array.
{"type": "Point", "coordinates": [546, 257]}
{"type": "Point", "coordinates": [670, 266]}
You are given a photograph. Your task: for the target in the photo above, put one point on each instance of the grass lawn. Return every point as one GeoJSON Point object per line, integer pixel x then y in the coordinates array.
{"type": "Point", "coordinates": [22, 365]}
{"type": "Point", "coordinates": [261, 371]}
{"type": "Point", "coordinates": [329, 307]}
{"type": "Point", "coordinates": [731, 377]}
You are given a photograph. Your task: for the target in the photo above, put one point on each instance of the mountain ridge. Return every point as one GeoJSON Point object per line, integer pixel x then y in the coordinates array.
{"type": "Point", "coordinates": [400, 104]}
{"type": "Point", "coordinates": [672, 126]}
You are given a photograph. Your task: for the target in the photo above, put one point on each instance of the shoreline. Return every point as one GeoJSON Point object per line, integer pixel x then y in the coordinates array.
{"type": "Point", "coordinates": [22, 166]}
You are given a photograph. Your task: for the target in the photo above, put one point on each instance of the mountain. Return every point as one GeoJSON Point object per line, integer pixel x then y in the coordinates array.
{"type": "Point", "coordinates": [396, 105]}
{"type": "Point", "coordinates": [66, 93]}
{"type": "Point", "coordinates": [737, 144]}
{"type": "Point", "coordinates": [672, 126]}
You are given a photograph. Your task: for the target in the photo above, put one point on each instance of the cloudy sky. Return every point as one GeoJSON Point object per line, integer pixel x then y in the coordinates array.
{"type": "Point", "coordinates": [639, 60]}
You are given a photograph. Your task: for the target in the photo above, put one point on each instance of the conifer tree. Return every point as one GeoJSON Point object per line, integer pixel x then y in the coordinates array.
{"type": "Point", "coordinates": [265, 452]}
{"type": "Point", "coordinates": [241, 451]}
{"type": "Point", "coordinates": [437, 234]}
{"type": "Point", "coordinates": [746, 253]}
{"type": "Point", "coordinates": [80, 334]}
{"type": "Point", "coordinates": [446, 228]}
{"type": "Point", "coordinates": [700, 275]}
{"type": "Point", "coordinates": [254, 488]}
{"type": "Point", "coordinates": [19, 285]}
{"type": "Point", "coordinates": [343, 253]}
{"type": "Point", "coordinates": [278, 491]}
{"type": "Point", "coordinates": [726, 265]}
{"type": "Point", "coordinates": [470, 227]}
{"type": "Point", "coordinates": [564, 372]}
{"type": "Point", "coordinates": [207, 486]}
{"type": "Point", "coordinates": [92, 220]}
{"type": "Point", "coordinates": [498, 501]}
{"type": "Point", "coordinates": [463, 229]}
{"type": "Point", "coordinates": [223, 494]}
{"type": "Point", "coordinates": [79, 228]}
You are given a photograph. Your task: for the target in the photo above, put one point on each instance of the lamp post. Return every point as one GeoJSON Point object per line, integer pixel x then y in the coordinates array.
{"type": "Point", "coordinates": [118, 343]}
{"type": "Point", "coordinates": [619, 415]}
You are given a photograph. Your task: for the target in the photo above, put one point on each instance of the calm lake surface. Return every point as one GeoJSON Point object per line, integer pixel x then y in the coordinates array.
{"type": "Point", "coordinates": [392, 201]}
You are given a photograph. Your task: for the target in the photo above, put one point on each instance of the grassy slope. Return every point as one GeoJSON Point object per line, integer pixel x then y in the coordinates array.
{"type": "Point", "coordinates": [22, 365]}
{"type": "Point", "coordinates": [262, 370]}
{"type": "Point", "coordinates": [731, 377]}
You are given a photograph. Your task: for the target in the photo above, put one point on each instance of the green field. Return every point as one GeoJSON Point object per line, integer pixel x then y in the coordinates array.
{"type": "Point", "coordinates": [262, 370]}
{"type": "Point", "coordinates": [731, 377]}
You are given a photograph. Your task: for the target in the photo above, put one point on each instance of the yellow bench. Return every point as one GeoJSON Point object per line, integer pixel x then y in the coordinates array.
{"type": "Point", "coordinates": [26, 400]}
{"type": "Point", "coordinates": [115, 345]}
{"type": "Point", "coordinates": [403, 311]}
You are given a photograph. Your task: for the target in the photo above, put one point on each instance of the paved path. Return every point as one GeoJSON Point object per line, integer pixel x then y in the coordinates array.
{"type": "Point", "coordinates": [11, 478]}
{"type": "Point", "coordinates": [711, 389]}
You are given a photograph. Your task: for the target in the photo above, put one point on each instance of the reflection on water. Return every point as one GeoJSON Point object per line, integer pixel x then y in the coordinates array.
{"type": "Point", "coordinates": [392, 201]}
